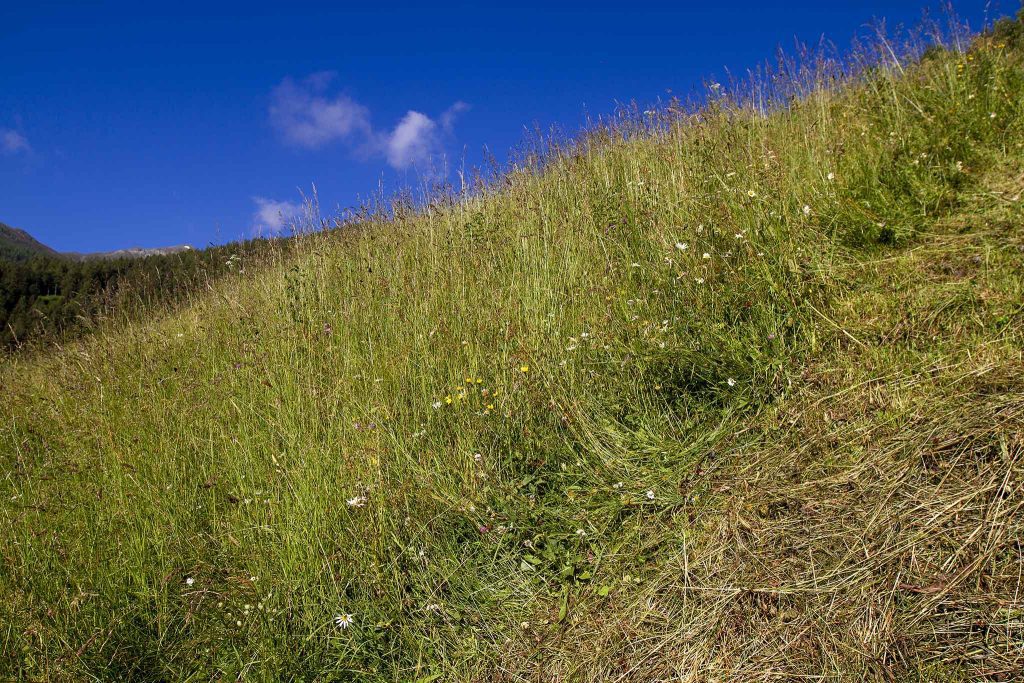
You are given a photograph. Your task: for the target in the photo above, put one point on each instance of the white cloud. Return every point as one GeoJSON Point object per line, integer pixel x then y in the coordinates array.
{"type": "Point", "coordinates": [449, 115]}
{"type": "Point", "coordinates": [12, 142]}
{"type": "Point", "coordinates": [273, 216]}
{"type": "Point", "coordinates": [306, 117]}
{"type": "Point", "coordinates": [412, 141]}
{"type": "Point", "coordinates": [417, 138]}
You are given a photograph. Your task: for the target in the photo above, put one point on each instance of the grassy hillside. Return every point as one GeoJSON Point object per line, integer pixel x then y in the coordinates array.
{"type": "Point", "coordinates": [733, 395]}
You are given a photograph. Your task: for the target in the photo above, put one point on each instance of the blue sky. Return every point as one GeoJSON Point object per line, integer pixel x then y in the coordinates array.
{"type": "Point", "coordinates": [150, 124]}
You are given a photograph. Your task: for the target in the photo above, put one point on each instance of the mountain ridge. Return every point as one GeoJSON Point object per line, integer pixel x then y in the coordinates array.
{"type": "Point", "coordinates": [17, 244]}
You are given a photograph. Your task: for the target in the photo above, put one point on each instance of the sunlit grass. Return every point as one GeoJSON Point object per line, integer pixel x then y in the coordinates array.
{"type": "Point", "coordinates": [723, 396]}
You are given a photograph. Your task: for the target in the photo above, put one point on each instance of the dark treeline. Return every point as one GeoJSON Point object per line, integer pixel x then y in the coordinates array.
{"type": "Point", "coordinates": [53, 297]}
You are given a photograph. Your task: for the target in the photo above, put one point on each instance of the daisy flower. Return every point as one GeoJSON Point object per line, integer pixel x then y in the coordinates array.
{"type": "Point", "coordinates": [343, 621]}
{"type": "Point", "coordinates": [357, 502]}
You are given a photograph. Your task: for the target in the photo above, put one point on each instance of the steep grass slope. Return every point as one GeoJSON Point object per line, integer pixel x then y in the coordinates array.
{"type": "Point", "coordinates": [736, 398]}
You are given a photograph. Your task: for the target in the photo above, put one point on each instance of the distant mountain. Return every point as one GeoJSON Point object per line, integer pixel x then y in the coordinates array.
{"type": "Point", "coordinates": [131, 252]}
{"type": "Point", "coordinates": [18, 245]}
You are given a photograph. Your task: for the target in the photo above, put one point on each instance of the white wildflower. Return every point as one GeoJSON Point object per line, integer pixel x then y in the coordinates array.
{"type": "Point", "coordinates": [343, 621]}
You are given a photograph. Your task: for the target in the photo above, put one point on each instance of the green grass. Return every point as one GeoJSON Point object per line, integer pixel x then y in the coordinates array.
{"type": "Point", "coordinates": [736, 396]}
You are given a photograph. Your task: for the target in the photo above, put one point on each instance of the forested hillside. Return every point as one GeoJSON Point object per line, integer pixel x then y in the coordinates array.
{"type": "Point", "coordinates": [18, 245]}
{"type": "Point", "coordinates": [46, 296]}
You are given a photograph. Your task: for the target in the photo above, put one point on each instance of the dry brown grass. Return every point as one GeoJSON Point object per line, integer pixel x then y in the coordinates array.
{"type": "Point", "coordinates": [867, 528]}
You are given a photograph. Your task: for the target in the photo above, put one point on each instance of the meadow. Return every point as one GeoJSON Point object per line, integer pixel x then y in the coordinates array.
{"type": "Point", "coordinates": [728, 393]}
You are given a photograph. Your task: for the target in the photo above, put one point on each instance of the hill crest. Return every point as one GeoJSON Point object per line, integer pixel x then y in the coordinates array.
{"type": "Point", "coordinates": [17, 245]}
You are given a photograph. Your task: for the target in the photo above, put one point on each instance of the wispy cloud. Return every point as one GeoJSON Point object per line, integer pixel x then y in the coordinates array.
{"type": "Point", "coordinates": [307, 115]}
{"type": "Point", "coordinates": [450, 114]}
{"type": "Point", "coordinates": [271, 216]}
{"type": "Point", "coordinates": [13, 142]}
